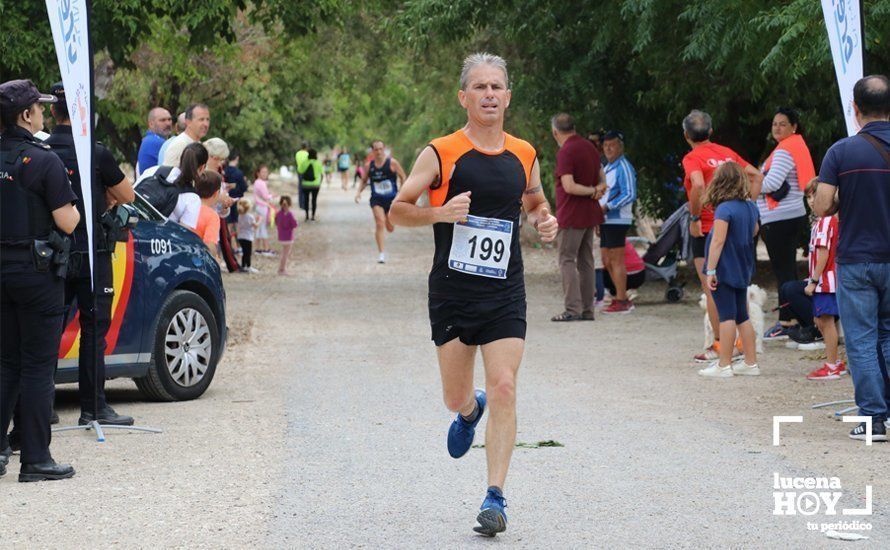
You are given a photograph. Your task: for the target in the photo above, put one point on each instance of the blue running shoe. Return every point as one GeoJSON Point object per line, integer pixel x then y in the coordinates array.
{"type": "Point", "coordinates": [461, 432]}
{"type": "Point", "coordinates": [492, 519]}
{"type": "Point", "coordinates": [776, 332]}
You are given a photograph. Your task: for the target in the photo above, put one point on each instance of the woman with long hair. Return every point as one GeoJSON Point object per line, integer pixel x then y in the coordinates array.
{"type": "Point", "coordinates": [188, 205]}
{"type": "Point", "coordinates": [729, 265]}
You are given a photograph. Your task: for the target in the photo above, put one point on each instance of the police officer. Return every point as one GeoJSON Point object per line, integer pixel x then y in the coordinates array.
{"type": "Point", "coordinates": [109, 182]}
{"type": "Point", "coordinates": [37, 202]}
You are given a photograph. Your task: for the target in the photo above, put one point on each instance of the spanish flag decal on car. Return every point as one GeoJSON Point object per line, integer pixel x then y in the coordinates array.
{"type": "Point", "coordinates": [122, 263]}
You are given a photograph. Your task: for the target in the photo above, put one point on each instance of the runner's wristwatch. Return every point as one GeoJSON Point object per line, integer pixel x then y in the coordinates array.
{"type": "Point", "coordinates": [695, 218]}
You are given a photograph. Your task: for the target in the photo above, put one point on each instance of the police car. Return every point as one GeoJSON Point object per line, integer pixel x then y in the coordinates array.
{"type": "Point", "coordinates": [168, 318]}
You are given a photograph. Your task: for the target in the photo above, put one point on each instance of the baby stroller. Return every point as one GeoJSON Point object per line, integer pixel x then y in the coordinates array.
{"type": "Point", "coordinates": [672, 245]}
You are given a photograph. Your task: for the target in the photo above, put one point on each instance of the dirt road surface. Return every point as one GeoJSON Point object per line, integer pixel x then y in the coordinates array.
{"type": "Point", "coordinates": [324, 428]}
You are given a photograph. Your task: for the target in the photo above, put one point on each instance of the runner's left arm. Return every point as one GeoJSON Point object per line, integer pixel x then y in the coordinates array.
{"type": "Point", "coordinates": [536, 206]}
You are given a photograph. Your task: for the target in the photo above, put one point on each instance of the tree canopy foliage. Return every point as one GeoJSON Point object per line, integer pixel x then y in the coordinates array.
{"type": "Point", "coordinates": [275, 72]}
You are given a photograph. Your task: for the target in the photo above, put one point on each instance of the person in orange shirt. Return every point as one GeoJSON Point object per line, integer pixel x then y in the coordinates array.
{"type": "Point", "coordinates": [208, 186]}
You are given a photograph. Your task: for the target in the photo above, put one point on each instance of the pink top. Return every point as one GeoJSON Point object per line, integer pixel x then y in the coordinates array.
{"type": "Point", "coordinates": [262, 198]}
{"type": "Point", "coordinates": [286, 223]}
{"type": "Point", "coordinates": [631, 259]}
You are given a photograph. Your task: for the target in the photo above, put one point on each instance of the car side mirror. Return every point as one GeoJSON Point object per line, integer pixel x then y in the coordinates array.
{"type": "Point", "coordinates": [127, 216]}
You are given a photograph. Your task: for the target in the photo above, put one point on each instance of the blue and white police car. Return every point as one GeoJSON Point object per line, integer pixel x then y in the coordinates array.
{"type": "Point", "coordinates": [168, 323]}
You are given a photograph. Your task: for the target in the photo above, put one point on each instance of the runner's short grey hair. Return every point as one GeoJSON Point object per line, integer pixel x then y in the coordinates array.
{"type": "Point", "coordinates": [697, 125]}
{"type": "Point", "coordinates": [483, 58]}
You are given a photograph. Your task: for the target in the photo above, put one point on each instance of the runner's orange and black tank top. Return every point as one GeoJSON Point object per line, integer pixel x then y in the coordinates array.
{"type": "Point", "coordinates": [497, 181]}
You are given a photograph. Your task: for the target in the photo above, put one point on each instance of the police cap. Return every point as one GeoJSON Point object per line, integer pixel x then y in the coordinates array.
{"type": "Point", "coordinates": [17, 95]}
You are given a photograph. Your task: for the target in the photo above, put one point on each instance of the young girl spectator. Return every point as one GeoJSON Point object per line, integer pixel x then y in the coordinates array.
{"type": "Point", "coordinates": [286, 223]}
{"type": "Point", "coordinates": [729, 264]}
{"type": "Point", "coordinates": [822, 285]}
{"type": "Point", "coordinates": [208, 187]}
{"type": "Point", "coordinates": [263, 200]}
{"type": "Point", "coordinates": [247, 226]}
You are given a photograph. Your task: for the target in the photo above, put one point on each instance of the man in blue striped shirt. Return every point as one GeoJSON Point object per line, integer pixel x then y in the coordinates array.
{"type": "Point", "coordinates": [617, 203]}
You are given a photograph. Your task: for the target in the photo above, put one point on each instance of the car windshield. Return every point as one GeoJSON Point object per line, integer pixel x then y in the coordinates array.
{"type": "Point", "coordinates": [145, 210]}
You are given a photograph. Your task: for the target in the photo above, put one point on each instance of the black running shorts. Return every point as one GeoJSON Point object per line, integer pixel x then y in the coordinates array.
{"type": "Point", "coordinates": [612, 235]}
{"type": "Point", "coordinates": [476, 323]}
{"type": "Point", "coordinates": [384, 203]}
{"type": "Point", "coordinates": [698, 246]}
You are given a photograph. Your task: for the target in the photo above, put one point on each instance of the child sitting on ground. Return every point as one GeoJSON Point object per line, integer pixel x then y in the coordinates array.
{"type": "Point", "coordinates": [247, 226]}
{"type": "Point", "coordinates": [208, 187]}
{"type": "Point", "coordinates": [822, 285]}
{"type": "Point", "coordinates": [729, 265]}
{"type": "Point", "coordinates": [286, 223]}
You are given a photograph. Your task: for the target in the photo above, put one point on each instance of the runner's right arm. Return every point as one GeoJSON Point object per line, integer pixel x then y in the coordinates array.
{"type": "Point", "coordinates": [404, 210]}
{"type": "Point", "coordinates": [361, 187]}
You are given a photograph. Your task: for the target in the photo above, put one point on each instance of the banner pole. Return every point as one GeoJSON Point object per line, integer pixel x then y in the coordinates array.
{"type": "Point", "coordinates": [67, 60]}
{"type": "Point", "coordinates": [93, 251]}
{"type": "Point", "coordinates": [862, 32]}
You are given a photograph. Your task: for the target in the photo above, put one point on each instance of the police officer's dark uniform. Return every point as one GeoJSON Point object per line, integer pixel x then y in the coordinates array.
{"type": "Point", "coordinates": [33, 184]}
{"type": "Point", "coordinates": [77, 285]}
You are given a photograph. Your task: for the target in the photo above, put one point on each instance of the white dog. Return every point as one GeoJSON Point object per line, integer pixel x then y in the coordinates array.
{"type": "Point", "coordinates": [756, 298]}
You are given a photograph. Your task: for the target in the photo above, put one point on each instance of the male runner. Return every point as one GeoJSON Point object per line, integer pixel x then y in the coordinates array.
{"type": "Point", "coordinates": [383, 172]}
{"type": "Point", "coordinates": [478, 180]}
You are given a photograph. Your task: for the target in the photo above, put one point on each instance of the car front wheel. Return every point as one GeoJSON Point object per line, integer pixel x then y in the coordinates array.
{"type": "Point", "coordinates": [185, 352]}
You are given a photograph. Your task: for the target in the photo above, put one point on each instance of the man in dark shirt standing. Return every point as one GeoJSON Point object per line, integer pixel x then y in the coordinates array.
{"type": "Point", "coordinates": [579, 184]}
{"type": "Point", "coordinates": [855, 182]}
{"type": "Point", "coordinates": [110, 186]}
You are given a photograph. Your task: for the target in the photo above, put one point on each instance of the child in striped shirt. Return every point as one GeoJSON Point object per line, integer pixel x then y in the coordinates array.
{"type": "Point", "coordinates": [822, 286]}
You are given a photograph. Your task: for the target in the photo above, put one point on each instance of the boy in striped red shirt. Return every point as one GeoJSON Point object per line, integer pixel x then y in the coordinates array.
{"type": "Point", "coordinates": [822, 286]}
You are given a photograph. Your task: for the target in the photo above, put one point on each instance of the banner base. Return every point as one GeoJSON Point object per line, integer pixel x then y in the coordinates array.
{"type": "Point", "coordinates": [100, 429]}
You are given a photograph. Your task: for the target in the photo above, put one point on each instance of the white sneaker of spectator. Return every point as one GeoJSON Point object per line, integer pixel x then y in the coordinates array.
{"type": "Point", "coordinates": [740, 368]}
{"type": "Point", "coordinates": [714, 370]}
{"type": "Point", "coordinates": [812, 346]}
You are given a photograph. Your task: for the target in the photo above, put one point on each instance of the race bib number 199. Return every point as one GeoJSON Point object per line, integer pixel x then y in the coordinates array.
{"type": "Point", "coordinates": [481, 246]}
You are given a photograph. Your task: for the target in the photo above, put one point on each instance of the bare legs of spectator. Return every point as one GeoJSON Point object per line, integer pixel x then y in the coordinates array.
{"type": "Point", "coordinates": [749, 342]}
{"type": "Point", "coordinates": [712, 307]}
{"type": "Point", "coordinates": [285, 252]}
{"type": "Point", "coordinates": [613, 260]}
{"type": "Point", "coordinates": [344, 179]}
{"type": "Point", "coordinates": [828, 328]}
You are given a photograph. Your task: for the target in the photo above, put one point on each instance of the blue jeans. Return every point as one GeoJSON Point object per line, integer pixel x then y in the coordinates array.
{"type": "Point", "coordinates": [864, 300]}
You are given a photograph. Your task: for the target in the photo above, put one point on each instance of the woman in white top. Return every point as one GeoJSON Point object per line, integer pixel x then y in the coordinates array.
{"type": "Point", "coordinates": [188, 205]}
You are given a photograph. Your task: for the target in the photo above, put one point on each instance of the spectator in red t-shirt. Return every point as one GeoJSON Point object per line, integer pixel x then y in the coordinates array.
{"type": "Point", "coordinates": [699, 166]}
{"type": "Point", "coordinates": [579, 185]}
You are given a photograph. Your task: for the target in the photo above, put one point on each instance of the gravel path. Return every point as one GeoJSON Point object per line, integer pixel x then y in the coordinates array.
{"type": "Point", "coordinates": [324, 428]}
